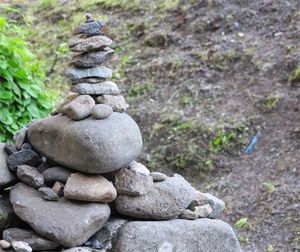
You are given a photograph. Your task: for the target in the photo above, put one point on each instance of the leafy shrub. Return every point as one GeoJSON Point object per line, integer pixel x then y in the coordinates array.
{"type": "Point", "coordinates": [22, 94]}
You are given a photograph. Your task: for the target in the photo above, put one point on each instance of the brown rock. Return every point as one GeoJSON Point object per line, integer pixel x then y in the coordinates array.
{"type": "Point", "coordinates": [117, 102]}
{"type": "Point", "coordinates": [30, 176]}
{"type": "Point", "coordinates": [58, 188]}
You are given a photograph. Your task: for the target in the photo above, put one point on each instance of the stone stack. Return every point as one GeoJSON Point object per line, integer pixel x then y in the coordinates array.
{"type": "Point", "coordinates": [69, 170]}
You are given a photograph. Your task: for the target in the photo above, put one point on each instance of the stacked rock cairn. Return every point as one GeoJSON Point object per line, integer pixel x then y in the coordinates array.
{"type": "Point", "coordinates": [71, 183]}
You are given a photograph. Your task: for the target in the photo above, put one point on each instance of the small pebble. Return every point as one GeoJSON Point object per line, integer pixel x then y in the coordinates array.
{"type": "Point", "coordinates": [203, 211]}
{"type": "Point", "coordinates": [188, 215]}
{"type": "Point", "coordinates": [101, 111]}
{"type": "Point", "coordinates": [48, 194]}
{"type": "Point", "coordinates": [58, 188]}
{"type": "Point", "coordinates": [138, 167]}
{"type": "Point", "coordinates": [158, 176]}
{"type": "Point", "coordinates": [4, 244]}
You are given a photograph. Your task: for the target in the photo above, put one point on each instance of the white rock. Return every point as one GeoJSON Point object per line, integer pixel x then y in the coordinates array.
{"type": "Point", "coordinates": [20, 246]}
{"type": "Point", "coordinates": [138, 167]}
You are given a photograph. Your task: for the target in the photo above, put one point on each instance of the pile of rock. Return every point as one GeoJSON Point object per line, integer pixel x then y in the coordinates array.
{"type": "Point", "coordinates": [76, 182]}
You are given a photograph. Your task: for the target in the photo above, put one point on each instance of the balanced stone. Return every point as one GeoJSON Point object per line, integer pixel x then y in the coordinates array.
{"type": "Point", "coordinates": [20, 246]}
{"type": "Point", "coordinates": [165, 201]}
{"type": "Point", "coordinates": [158, 176]}
{"type": "Point", "coordinates": [91, 28]}
{"type": "Point", "coordinates": [57, 173]}
{"type": "Point", "coordinates": [94, 188]}
{"type": "Point", "coordinates": [68, 223]}
{"type": "Point", "coordinates": [101, 111]}
{"type": "Point", "coordinates": [116, 102]}
{"type": "Point", "coordinates": [92, 59]}
{"type": "Point", "coordinates": [87, 80]}
{"type": "Point", "coordinates": [82, 45]}
{"type": "Point", "coordinates": [66, 100]}
{"type": "Point", "coordinates": [35, 241]}
{"type": "Point", "coordinates": [48, 194]}
{"type": "Point", "coordinates": [92, 146]}
{"type": "Point", "coordinates": [79, 73]}
{"type": "Point", "coordinates": [138, 167]}
{"type": "Point", "coordinates": [6, 177]}
{"type": "Point", "coordinates": [79, 108]}
{"type": "Point", "coordinates": [106, 87]}
{"type": "Point", "coordinates": [30, 176]}
{"type": "Point", "coordinates": [21, 157]}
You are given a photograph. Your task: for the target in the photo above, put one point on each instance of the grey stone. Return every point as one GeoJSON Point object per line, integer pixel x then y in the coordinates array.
{"type": "Point", "coordinates": [79, 108]}
{"type": "Point", "coordinates": [101, 111]}
{"type": "Point", "coordinates": [165, 247]}
{"type": "Point", "coordinates": [35, 241]}
{"type": "Point", "coordinates": [188, 215]}
{"type": "Point", "coordinates": [48, 194]}
{"type": "Point", "coordinates": [6, 177]}
{"type": "Point", "coordinates": [22, 157]}
{"type": "Point", "coordinates": [138, 167]}
{"type": "Point", "coordinates": [158, 176]}
{"type": "Point", "coordinates": [132, 183]}
{"type": "Point", "coordinates": [91, 28]}
{"type": "Point", "coordinates": [203, 211]}
{"type": "Point", "coordinates": [20, 137]}
{"type": "Point", "coordinates": [165, 201]}
{"type": "Point", "coordinates": [20, 246]}
{"type": "Point", "coordinates": [117, 102]}
{"type": "Point", "coordinates": [66, 100]}
{"type": "Point", "coordinates": [106, 87]}
{"type": "Point", "coordinates": [58, 188]}
{"type": "Point", "coordinates": [26, 146]}
{"type": "Point", "coordinates": [83, 249]}
{"type": "Point", "coordinates": [92, 59]}
{"type": "Point", "coordinates": [201, 235]}
{"type": "Point", "coordinates": [79, 73]}
{"type": "Point", "coordinates": [6, 213]}
{"type": "Point", "coordinates": [94, 188]}
{"type": "Point", "coordinates": [57, 173]}
{"type": "Point", "coordinates": [216, 204]}
{"type": "Point", "coordinates": [5, 244]}
{"type": "Point", "coordinates": [30, 176]}
{"type": "Point", "coordinates": [82, 45]}
{"type": "Point", "coordinates": [199, 200]}
{"type": "Point", "coordinates": [87, 80]}
{"type": "Point", "coordinates": [85, 145]}
{"type": "Point", "coordinates": [10, 148]}
{"type": "Point", "coordinates": [68, 223]}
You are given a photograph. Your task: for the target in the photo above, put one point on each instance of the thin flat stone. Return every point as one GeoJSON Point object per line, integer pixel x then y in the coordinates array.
{"type": "Point", "coordinates": [87, 80]}
{"type": "Point", "coordinates": [79, 73]}
{"type": "Point", "coordinates": [106, 87]}
{"type": "Point", "coordinates": [95, 43]}
{"type": "Point", "coordinates": [91, 28]}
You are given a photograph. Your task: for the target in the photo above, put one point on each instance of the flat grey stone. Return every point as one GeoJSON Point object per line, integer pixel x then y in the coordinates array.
{"type": "Point", "coordinates": [48, 194]}
{"type": "Point", "coordinates": [57, 173]}
{"type": "Point", "coordinates": [7, 178]}
{"type": "Point", "coordinates": [91, 28]}
{"type": "Point", "coordinates": [87, 80]}
{"type": "Point", "coordinates": [101, 111]}
{"type": "Point", "coordinates": [79, 73]}
{"type": "Point", "coordinates": [30, 176]}
{"type": "Point", "coordinates": [95, 43]}
{"type": "Point", "coordinates": [201, 235]}
{"type": "Point", "coordinates": [68, 223]}
{"type": "Point", "coordinates": [106, 87]}
{"type": "Point", "coordinates": [91, 146]}
{"type": "Point", "coordinates": [117, 102]}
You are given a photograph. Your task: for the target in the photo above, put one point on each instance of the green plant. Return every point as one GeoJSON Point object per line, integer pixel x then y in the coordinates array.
{"type": "Point", "coordinates": [270, 248]}
{"type": "Point", "coordinates": [223, 140]}
{"type": "Point", "coordinates": [22, 96]}
{"type": "Point", "coordinates": [139, 89]}
{"type": "Point", "coordinates": [295, 75]}
{"type": "Point", "coordinates": [241, 223]}
{"type": "Point", "coordinates": [269, 187]}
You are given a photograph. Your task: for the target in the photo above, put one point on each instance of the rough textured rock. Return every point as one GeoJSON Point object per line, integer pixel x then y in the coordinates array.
{"type": "Point", "coordinates": [106, 87]}
{"type": "Point", "coordinates": [21, 157]}
{"type": "Point", "coordinates": [117, 102]}
{"type": "Point", "coordinates": [203, 211]}
{"type": "Point", "coordinates": [79, 108]}
{"type": "Point", "coordinates": [30, 176]}
{"type": "Point", "coordinates": [57, 173]}
{"type": "Point", "coordinates": [79, 73]}
{"type": "Point", "coordinates": [199, 200]}
{"type": "Point", "coordinates": [94, 188]}
{"type": "Point", "coordinates": [20, 246]}
{"type": "Point", "coordinates": [66, 100]}
{"type": "Point", "coordinates": [81, 45]}
{"type": "Point", "coordinates": [138, 167]}
{"type": "Point", "coordinates": [6, 177]}
{"type": "Point", "coordinates": [88, 80]}
{"type": "Point", "coordinates": [132, 183]}
{"type": "Point", "coordinates": [48, 194]}
{"type": "Point", "coordinates": [101, 111]}
{"type": "Point", "coordinates": [188, 215]}
{"type": "Point", "coordinates": [91, 28]}
{"type": "Point", "coordinates": [166, 200]}
{"type": "Point", "coordinates": [58, 188]}
{"type": "Point", "coordinates": [84, 145]}
{"type": "Point", "coordinates": [92, 59]}
{"type": "Point", "coordinates": [20, 137]}
{"type": "Point", "coordinates": [10, 148]}
{"type": "Point", "coordinates": [158, 176]}
{"type": "Point", "coordinates": [68, 223]}
{"type": "Point", "coordinates": [35, 241]}
{"type": "Point", "coordinates": [216, 204]}
{"type": "Point", "coordinates": [6, 212]}
{"type": "Point", "coordinates": [201, 235]}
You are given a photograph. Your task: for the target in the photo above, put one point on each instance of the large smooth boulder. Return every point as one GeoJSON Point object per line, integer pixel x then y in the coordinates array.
{"type": "Point", "coordinates": [166, 200]}
{"type": "Point", "coordinates": [201, 235]}
{"type": "Point", "coordinates": [6, 176]}
{"type": "Point", "coordinates": [91, 146]}
{"type": "Point", "coordinates": [68, 223]}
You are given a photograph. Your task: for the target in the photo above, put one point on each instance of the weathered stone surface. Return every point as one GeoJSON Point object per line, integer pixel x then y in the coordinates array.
{"type": "Point", "coordinates": [138, 167]}
{"type": "Point", "coordinates": [10, 148]}
{"type": "Point", "coordinates": [95, 43]}
{"type": "Point", "coordinates": [68, 223]}
{"type": "Point", "coordinates": [106, 87]}
{"type": "Point", "coordinates": [79, 108]}
{"type": "Point", "coordinates": [216, 204]}
{"type": "Point", "coordinates": [21, 157]}
{"type": "Point", "coordinates": [92, 59]}
{"type": "Point", "coordinates": [79, 73]}
{"type": "Point", "coordinates": [6, 212]}
{"type": "Point", "coordinates": [117, 102]}
{"type": "Point", "coordinates": [87, 80]}
{"type": "Point", "coordinates": [20, 137]}
{"type": "Point", "coordinates": [35, 241]}
{"type": "Point", "coordinates": [203, 211]}
{"type": "Point", "coordinates": [91, 28]}
{"type": "Point", "coordinates": [201, 235]}
{"type": "Point", "coordinates": [85, 145]}
{"type": "Point", "coordinates": [6, 177]}
{"type": "Point", "coordinates": [199, 200]}
{"type": "Point", "coordinates": [5, 244]}
{"type": "Point", "coordinates": [66, 100]}
{"type": "Point", "coordinates": [58, 188]}
{"type": "Point", "coordinates": [57, 173]}
{"type": "Point", "coordinates": [188, 215]}
{"type": "Point", "coordinates": [101, 111]}
{"type": "Point", "coordinates": [165, 201]}
{"type": "Point", "coordinates": [30, 176]}
{"type": "Point", "coordinates": [94, 188]}
{"type": "Point", "coordinates": [48, 194]}
{"type": "Point", "coordinates": [158, 176]}
{"type": "Point", "coordinates": [20, 246]}
{"type": "Point", "coordinates": [133, 183]}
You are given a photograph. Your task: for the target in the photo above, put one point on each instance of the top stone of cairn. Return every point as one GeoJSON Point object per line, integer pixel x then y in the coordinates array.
{"type": "Point", "coordinates": [91, 27]}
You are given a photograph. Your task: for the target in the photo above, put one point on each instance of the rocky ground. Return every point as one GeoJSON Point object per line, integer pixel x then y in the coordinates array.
{"type": "Point", "coordinates": [202, 78]}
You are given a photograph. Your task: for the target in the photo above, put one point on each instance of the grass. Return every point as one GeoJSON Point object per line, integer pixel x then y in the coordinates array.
{"type": "Point", "coordinates": [295, 75]}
